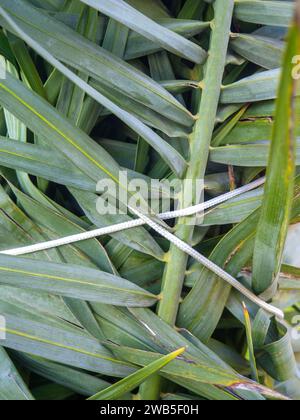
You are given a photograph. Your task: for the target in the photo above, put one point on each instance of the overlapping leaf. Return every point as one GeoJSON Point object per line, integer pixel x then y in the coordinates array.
{"type": "Point", "coordinates": [12, 386]}
{"type": "Point", "coordinates": [124, 13]}
{"type": "Point", "coordinates": [91, 82]}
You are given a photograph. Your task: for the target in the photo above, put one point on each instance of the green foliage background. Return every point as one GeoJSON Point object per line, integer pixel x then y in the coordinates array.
{"type": "Point", "coordinates": [165, 89]}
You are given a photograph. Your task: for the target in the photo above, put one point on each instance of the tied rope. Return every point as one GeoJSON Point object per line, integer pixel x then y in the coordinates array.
{"type": "Point", "coordinates": [143, 219]}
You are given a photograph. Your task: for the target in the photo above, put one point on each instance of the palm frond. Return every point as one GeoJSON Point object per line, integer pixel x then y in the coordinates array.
{"type": "Point", "coordinates": [172, 91]}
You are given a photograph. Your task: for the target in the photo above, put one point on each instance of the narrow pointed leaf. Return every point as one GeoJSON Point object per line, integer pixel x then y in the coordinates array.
{"type": "Point", "coordinates": [266, 52]}
{"type": "Point", "coordinates": [131, 382]}
{"type": "Point", "coordinates": [250, 344]}
{"type": "Point", "coordinates": [259, 87]}
{"type": "Point", "coordinates": [277, 204]}
{"type": "Point", "coordinates": [138, 46]}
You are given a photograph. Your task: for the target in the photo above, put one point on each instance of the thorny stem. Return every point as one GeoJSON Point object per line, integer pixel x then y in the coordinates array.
{"type": "Point", "coordinates": [200, 142]}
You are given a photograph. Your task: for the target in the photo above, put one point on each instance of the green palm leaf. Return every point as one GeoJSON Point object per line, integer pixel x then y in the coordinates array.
{"type": "Point", "coordinates": [72, 281]}
{"type": "Point", "coordinates": [280, 178]}
{"type": "Point", "coordinates": [171, 91]}
{"type": "Point", "coordinates": [131, 382]}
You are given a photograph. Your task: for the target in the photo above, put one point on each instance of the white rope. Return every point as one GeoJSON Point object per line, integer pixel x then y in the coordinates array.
{"type": "Point", "coordinates": [132, 223]}
{"type": "Point", "coordinates": [210, 265]}
{"type": "Point", "coordinates": [169, 236]}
